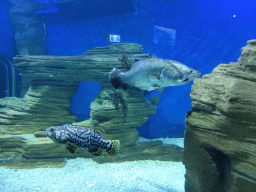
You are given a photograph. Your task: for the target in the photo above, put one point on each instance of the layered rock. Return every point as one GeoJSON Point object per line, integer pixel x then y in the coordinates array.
{"type": "Point", "coordinates": [220, 136]}
{"type": "Point", "coordinates": [48, 84]}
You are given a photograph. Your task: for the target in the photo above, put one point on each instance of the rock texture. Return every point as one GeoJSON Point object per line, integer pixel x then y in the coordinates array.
{"type": "Point", "coordinates": [49, 82]}
{"type": "Point", "coordinates": [220, 136]}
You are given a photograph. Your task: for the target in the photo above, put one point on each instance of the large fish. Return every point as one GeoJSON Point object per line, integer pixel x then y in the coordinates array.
{"type": "Point", "coordinates": [148, 74]}
{"type": "Point", "coordinates": [80, 137]}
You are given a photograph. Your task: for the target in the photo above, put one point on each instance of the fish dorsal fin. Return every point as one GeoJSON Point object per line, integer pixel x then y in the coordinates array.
{"type": "Point", "coordinates": [151, 56]}
{"type": "Point", "coordinates": [135, 60]}
{"type": "Point", "coordinates": [81, 126]}
{"type": "Point", "coordinates": [99, 129]}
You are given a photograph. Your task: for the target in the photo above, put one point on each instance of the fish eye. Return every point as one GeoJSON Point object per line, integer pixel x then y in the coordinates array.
{"type": "Point", "coordinates": [51, 129]}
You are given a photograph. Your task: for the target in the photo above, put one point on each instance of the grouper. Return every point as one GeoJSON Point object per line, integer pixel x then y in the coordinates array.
{"type": "Point", "coordinates": [148, 74]}
{"type": "Point", "coordinates": [75, 137]}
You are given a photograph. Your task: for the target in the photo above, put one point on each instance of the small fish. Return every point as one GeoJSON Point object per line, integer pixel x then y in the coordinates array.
{"type": "Point", "coordinates": [148, 74]}
{"type": "Point", "coordinates": [75, 137]}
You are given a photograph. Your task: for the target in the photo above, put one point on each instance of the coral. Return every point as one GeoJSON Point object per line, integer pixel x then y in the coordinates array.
{"type": "Point", "coordinates": [124, 62]}
{"type": "Point", "coordinates": [155, 100]}
{"type": "Point", "coordinates": [106, 36]}
{"type": "Point", "coordinates": [119, 102]}
{"type": "Point", "coordinates": [99, 101]}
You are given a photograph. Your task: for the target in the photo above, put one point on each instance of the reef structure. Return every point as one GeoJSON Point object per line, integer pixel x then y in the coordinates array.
{"type": "Point", "coordinates": [220, 135]}
{"type": "Point", "coordinates": [48, 85]}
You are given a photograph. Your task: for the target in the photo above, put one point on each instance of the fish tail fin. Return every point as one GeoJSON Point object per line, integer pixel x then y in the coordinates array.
{"type": "Point", "coordinates": [115, 79]}
{"type": "Point", "coordinates": [114, 149]}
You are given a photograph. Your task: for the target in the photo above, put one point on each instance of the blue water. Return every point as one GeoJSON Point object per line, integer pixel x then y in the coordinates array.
{"type": "Point", "coordinates": [7, 42]}
{"type": "Point", "coordinates": [207, 33]}
{"type": "Point", "coordinates": [7, 46]}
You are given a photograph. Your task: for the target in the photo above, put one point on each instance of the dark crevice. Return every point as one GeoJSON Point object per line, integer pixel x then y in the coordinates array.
{"type": "Point", "coordinates": [223, 164]}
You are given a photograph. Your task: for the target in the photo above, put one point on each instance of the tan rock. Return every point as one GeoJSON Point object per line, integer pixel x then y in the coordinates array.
{"type": "Point", "coordinates": [220, 136]}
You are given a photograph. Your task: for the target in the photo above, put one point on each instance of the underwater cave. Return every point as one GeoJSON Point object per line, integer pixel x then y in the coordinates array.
{"type": "Point", "coordinates": [86, 93]}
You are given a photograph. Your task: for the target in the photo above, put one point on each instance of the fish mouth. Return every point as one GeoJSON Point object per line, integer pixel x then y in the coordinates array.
{"type": "Point", "coordinates": [186, 79]}
{"type": "Point", "coordinates": [198, 74]}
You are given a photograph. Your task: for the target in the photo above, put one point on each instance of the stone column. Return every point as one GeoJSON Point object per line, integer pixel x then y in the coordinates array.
{"type": "Point", "coordinates": [220, 135]}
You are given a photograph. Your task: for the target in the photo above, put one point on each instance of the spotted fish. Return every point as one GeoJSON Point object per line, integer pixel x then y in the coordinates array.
{"type": "Point", "coordinates": [80, 137]}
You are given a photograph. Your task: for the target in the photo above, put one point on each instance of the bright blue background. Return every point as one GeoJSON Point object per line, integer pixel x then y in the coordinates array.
{"type": "Point", "coordinates": [208, 33]}
{"type": "Point", "coordinates": [7, 47]}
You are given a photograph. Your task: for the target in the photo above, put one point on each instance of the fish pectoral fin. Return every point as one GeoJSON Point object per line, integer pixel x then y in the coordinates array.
{"type": "Point", "coordinates": [71, 150]}
{"type": "Point", "coordinates": [153, 87]}
{"type": "Point", "coordinates": [71, 147]}
{"type": "Point", "coordinates": [160, 90]}
{"type": "Point", "coordinates": [151, 56]}
{"type": "Point", "coordinates": [96, 152]}
{"type": "Point", "coordinates": [135, 60]}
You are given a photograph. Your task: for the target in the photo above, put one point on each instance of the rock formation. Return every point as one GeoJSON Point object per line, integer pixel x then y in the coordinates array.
{"type": "Point", "coordinates": [48, 84]}
{"type": "Point", "coordinates": [220, 136]}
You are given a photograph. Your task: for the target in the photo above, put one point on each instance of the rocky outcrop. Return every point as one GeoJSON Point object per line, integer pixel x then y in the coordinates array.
{"type": "Point", "coordinates": [220, 136]}
{"type": "Point", "coordinates": [48, 84]}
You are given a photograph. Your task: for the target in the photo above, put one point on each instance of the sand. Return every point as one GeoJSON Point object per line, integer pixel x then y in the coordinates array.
{"type": "Point", "coordinates": [80, 175]}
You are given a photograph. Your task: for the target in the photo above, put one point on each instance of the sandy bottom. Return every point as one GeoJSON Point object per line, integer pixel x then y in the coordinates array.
{"type": "Point", "coordinates": [85, 175]}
